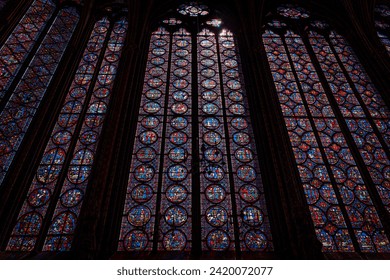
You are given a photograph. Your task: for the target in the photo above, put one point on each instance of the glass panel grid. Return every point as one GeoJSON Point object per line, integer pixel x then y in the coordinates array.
{"type": "Point", "coordinates": [51, 165]}
{"type": "Point", "coordinates": [25, 100]}
{"type": "Point", "coordinates": [61, 231]}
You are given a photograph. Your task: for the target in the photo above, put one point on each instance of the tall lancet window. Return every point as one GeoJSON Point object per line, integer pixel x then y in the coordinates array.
{"type": "Point", "coordinates": [338, 124]}
{"type": "Point", "coordinates": [48, 218]}
{"type": "Point", "coordinates": [194, 178]}
{"type": "Point", "coordinates": [382, 24]}
{"type": "Point", "coordinates": [35, 64]}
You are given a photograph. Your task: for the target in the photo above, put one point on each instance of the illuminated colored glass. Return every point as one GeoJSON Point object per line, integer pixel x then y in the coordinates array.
{"type": "Point", "coordinates": [193, 9]}
{"type": "Point", "coordinates": [163, 175]}
{"type": "Point", "coordinates": [64, 221]}
{"type": "Point", "coordinates": [382, 24]}
{"type": "Point", "coordinates": [255, 231]}
{"type": "Point", "coordinates": [292, 11]}
{"type": "Point", "coordinates": [340, 204]}
{"type": "Point", "coordinates": [46, 177]}
{"type": "Point", "coordinates": [151, 122]}
{"type": "Point", "coordinates": [214, 168]}
{"type": "Point", "coordinates": [354, 98]}
{"type": "Point", "coordinates": [22, 39]}
{"type": "Point", "coordinates": [177, 181]}
{"type": "Point", "coordinates": [26, 98]}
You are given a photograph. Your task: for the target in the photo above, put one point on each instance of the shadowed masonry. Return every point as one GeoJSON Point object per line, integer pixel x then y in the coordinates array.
{"type": "Point", "coordinates": [157, 271]}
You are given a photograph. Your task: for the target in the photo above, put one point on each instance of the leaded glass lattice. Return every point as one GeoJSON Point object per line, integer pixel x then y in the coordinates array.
{"type": "Point", "coordinates": [79, 125]}
{"type": "Point", "coordinates": [193, 85]}
{"type": "Point", "coordinates": [28, 94]}
{"type": "Point", "coordinates": [51, 165]}
{"type": "Point", "coordinates": [22, 39]}
{"type": "Point", "coordinates": [321, 119]}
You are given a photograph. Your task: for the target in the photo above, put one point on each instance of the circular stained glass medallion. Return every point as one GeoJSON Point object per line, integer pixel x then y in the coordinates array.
{"type": "Point", "coordinates": [252, 216]}
{"type": "Point", "coordinates": [209, 84]}
{"type": "Point", "coordinates": [180, 96]}
{"type": "Point", "coordinates": [213, 155]}
{"type": "Point", "coordinates": [218, 240]}
{"type": "Point", "coordinates": [239, 123]}
{"type": "Point", "coordinates": [178, 138]}
{"type": "Point", "coordinates": [236, 96]}
{"type": "Point", "coordinates": [151, 107]}
{"type": "Point", "coordinates": [146, 154]}
{"type": "Point", "coordinates": [214, 173]}
{"type": "Point", "coordinates": [249, 193]}
{"type": "Point", "coordinates": [208, 73]}
{"type": "Point", "coordinates": [102, 92]}
{"type": "Point", "coordinates": [181, 53]}
{"type": "Point", "coordinates": [160, 42]}
{"type": "Point", "coordinates": [209, 95]}
{"type": "Point", "coordinates": [177, 173]}
{"type": "Point", "coordinates": [228, 44]}
{"type": "Point", "coordinates": [232, 73]}
{"type": "Point", "coordinates": [246, 173]}
{"type": "Point", "coordinates": [244, 155]}
{"type": "Point", "coordinates": [156, 71]}
{"type": "Point", "coordinates": [139, 215]}
{"type": "Point", "coordinates": [89, 137]}
{"type": "Point", "coordinates": [136, 240]}
{"type": "Point", "coordinates": [62, 137]}
{"type": "Point", "coordinates": [206, 43]}
{"type": "Point", "coordinates": [178, 154]}
{"type": "Point", "coordinates": [216, 216]}
{"type": "Point", "coordinates": [78, 92]}
{"type": "Point", "coordinates": [158, 51]}
{"type": "Point", "coordinates": [144, 173]}
{"type": "Point", "coordinates": [176, 193]}
{"type": "Point", "coordinates": [215, 193]}
{"type": "Point", "coordinates": [181, 62]}
{"type": "Point", "coordinates": [179, 123]}
{"type": "Point", "coordinates": [241, 138]}
{"type": "Point", "coordinates": [182, 43]}
{"type": "Point", "coordinates": [54, 156]}
{"type": "Point", "coordinates": [180, 83]}
{"type": "Point", "coordinates": [255, 240]}
{"type": "Point", "coordinates": [79, 173]}
{"type": "Point", "coordinates": [153, 94]}
{"type": "Point", "coordinates": [142, 193]}
{"type": "Point", "coordinates": [148, 137]}
{"type": "Point", "coordinates": [231, 63]}
{"type": "Point", "coordinates": [179, 108]}
{"type": "Point", "coordinates": [210, 123]}
{"type": "Point", "coordinates": [237, 109]}
{"type": "Point", "coordinates": [72, 197]}
{"type": "Point", "coordinates": [212, 138]}
{"type": "Point", "coordinates": [210, 109]}
{"type": "Point", "coordinates": [175, 216]}
{"type": "Point", "coordinates": [174, 240]}
{"type": "Point", "coordinates": [39, 197]}
{"type": "Point", "coordinates": [150, 122]}
{"type": "Point", "coordinates": [157, 61]}
{"type": "Point", "coordinates": [155, 82]}
{"type": "Point", "coordinates": [180, 72]}
{"type": "Point", "coordinates": [207, 62]}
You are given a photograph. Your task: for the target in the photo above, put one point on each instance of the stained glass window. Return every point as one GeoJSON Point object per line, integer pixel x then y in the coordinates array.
{"type": "Point", "coordinates": [25, 99]}
{"type": "Point", "coordinates": [331, 110]}
{"type": "Point", "coordinates": [194, 175]}
{"type": "Point", "coordinates": [22, 39]}
{"type": "Point", "coordinates": [79, 125]}
{"type": "Point", "coordinates": [382, 24]}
